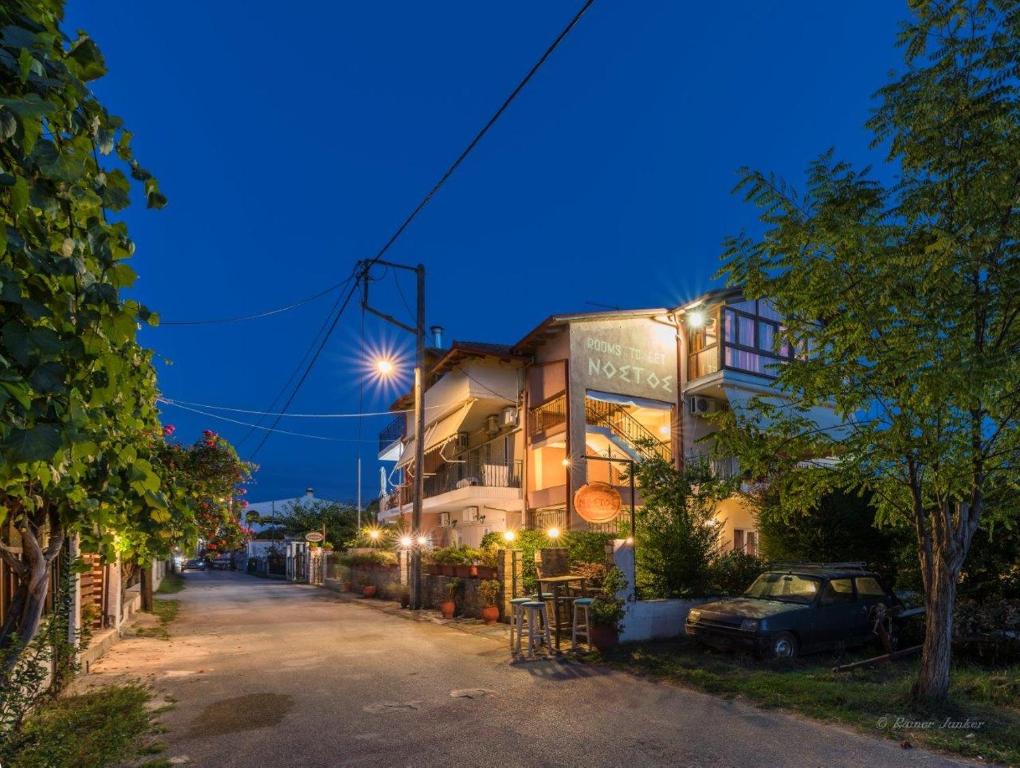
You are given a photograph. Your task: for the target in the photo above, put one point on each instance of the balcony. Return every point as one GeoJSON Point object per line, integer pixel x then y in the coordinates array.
{"type": "Point", "coordinates": [472, 473]}
{"type": "Point", "coordinates": [547, 416]}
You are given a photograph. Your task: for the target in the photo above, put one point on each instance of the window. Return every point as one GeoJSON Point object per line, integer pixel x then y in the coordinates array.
{"type": "Point", "coordinates": [750, 333]}
{"type": "Point", "coordinates": [745, 540]}
{"type": "Point", "coordinates": [838, 591]}
{"type": "Point", "coordinates": [868, 586]}
{"type": "Point", "coordinates": [703, 357]}
{"type": "Point", "coordinates": [784, 587]}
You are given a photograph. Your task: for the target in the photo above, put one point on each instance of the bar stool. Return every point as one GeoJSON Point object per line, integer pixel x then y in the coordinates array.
{"type": "Point", "coordinates": [516, 617]}
{"type": "Point", "coordinates": [582, 605]}
{"type": "Point", "coordinates": [534, 616]}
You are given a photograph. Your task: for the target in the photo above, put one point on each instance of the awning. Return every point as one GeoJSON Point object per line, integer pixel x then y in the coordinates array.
{"type": "Point", "coordinates": [436, 435]}
{"type": "Point", "coordinates": [638, 402]}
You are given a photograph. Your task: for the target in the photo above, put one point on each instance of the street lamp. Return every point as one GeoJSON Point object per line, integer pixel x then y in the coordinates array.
{"type": "Point", "coordinates": [418, 329]}
{"type": "Point", "coordinates": [406, 542]}
{"type": "Point", "coordinates": [385, 367]}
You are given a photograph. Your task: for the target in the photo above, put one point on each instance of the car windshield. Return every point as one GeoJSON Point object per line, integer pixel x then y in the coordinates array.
{"type": "Point", "coordinates": [786, 587]}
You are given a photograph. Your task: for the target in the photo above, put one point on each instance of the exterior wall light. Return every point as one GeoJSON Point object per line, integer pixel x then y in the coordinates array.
{"type": "Point", "coordinates": [423, 540]}
{"type": "Point", "coordinates": [566, 461]}
{"type": "Point", "coordinates": [509, 536]}
{"type": "Point", "coordinates": [406, 542]}
{"type": "Point", "coordinates": [696, 319]}
{"type": "Point", "coordinates": [553, 533]}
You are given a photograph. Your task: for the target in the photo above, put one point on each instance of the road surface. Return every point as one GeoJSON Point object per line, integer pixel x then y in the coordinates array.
{"type": "Point", "coordinates": [266, 673]}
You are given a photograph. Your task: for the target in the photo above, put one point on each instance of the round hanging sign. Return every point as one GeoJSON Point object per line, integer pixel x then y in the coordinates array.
{"type": "Point", "coordinates": [314, 537]}
{"type": "Point", "coordinates": [597, 502]}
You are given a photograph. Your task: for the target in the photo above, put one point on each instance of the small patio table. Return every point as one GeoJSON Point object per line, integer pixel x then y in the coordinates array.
{"type": "Point", "coordinates": [557, 583]}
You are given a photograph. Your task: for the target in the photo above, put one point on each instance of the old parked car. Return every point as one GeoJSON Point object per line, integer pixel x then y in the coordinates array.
{"type": "Point", "coordinates": [796, 609]}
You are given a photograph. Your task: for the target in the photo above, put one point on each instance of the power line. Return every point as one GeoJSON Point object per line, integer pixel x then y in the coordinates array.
{"type": "Point", "coordinates": [173, 404]}
{"type": "Point", "coordinates": [481, 134]}
{"type": "Point", "coordinates": [252, 412]}
{"type": "Point", "coordinates": [366, 265]}
{"type": "Point", "coordinates": [301, 362]}
{"type": "Point", "coordinates": [311, 364]}
{"type": "Point", "coordinates": [258, 315]}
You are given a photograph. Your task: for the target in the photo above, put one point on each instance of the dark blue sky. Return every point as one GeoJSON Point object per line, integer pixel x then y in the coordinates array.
{"type": "Point", "coordinates": [292, 138]}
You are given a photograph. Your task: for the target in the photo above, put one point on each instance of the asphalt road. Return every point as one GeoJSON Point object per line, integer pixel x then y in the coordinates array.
{"type": "Point", "coordinates": [265, 673]}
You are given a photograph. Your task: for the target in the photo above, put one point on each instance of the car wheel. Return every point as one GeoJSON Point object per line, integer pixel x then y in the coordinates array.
{"type": "Point", "coordinates": [783, 646]}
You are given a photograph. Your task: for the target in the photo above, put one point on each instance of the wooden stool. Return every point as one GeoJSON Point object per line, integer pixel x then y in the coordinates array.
{"type": "Point", "coordinates": [533, 614]}
{"type": "Point", "coordinates": [516, 617]}
{"type": "Point", "coordinates": [582, 605]}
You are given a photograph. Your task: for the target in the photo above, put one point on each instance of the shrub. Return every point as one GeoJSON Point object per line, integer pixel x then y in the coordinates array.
{"type": "Point", "coordinates": [488, 590]}
{"type": "Point", "coordinates": [734, 572]}
{"type": "Point", "coordinates": [988, 629]}
{"type": "Point", "coordinates": [371, 559]}
{"type": "Point", "coordinates": [586, 546]}
{"type": "Point", "coordinates": [606, 607]}
{"type": "Point", "coordinates": [527, 542]}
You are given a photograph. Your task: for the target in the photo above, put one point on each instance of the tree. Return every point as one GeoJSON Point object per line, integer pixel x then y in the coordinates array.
{"type": "Point", "coordinates": [676, 537]}
{"type": "Point", "coordinates": [77, 392]}
{"type": "Point", "coordinates": [902, 300]}
{"type": "Point", "coordinates": [298, 518]}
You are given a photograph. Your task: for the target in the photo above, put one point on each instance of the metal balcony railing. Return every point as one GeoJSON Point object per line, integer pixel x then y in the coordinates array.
{"type": "Point", "coordinates": [392, 432]}
{"type": "Point", "coordinates": [548, 415]}
{"type": "Point", "coordinates": [475, 467]}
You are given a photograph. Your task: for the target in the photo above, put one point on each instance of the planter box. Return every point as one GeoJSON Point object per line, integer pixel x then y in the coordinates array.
{"type": "Point", "coordinates": [462, 571]}
{"type": "Point", "coordinates": [485, 571]}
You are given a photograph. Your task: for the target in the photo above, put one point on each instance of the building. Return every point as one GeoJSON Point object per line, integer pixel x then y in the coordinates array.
{"type": "Point", "coordinates": [265, 533]}
{"type": "Point", "coordinates": [473, 470]}
{"type": "Point", "coordinates": [525, 435]}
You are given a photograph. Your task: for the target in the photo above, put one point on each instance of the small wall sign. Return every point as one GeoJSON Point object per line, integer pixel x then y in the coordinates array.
{"type": "Point", "coordinates": [597, 502]}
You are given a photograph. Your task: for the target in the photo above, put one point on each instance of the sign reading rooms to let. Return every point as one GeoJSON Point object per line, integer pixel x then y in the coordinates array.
{"type": "Point", "coordinates": [635, 357]}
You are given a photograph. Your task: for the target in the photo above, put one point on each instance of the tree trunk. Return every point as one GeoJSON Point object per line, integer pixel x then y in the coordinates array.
{"type": "Point", "coordinates": [145, 587]}
{"type": "Point", "coordinates": [932, 685]}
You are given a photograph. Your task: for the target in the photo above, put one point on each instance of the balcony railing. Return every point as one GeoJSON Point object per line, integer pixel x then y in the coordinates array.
{"type": "Point", "coordinates": [471, 468]}
{"type": "Point", "coordinates": [392, 432]}
{"type": "Point", "coordinates": [721, 469]}
{"type": "Point", "coordinates": [544, 417]}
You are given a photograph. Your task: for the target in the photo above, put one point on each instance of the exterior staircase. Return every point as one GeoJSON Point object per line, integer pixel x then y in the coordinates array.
{"type": "Point", "coordinates": [626, 432]}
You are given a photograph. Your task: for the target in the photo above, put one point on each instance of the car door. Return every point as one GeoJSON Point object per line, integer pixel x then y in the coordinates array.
{"type": "Point", "coordinates": [841, 619]}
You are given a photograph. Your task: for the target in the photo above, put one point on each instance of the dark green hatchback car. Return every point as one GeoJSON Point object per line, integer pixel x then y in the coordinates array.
{"type": "Point", "coordinates": [796, 609]}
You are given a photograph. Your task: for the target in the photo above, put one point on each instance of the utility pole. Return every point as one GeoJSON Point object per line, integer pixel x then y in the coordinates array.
{"type": "Point", "coordinates": [418, 329]}
{"type": "Point", "coordinates": [359, 493]}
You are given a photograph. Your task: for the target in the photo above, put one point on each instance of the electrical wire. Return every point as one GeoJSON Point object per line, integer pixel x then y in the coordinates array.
{"type": "Point", "coordinates": [174, 404]}
{"type": "Point", "coordinates": [366, 265]}
{"type": "Point", "coordinates": [257, 315]}
{"type": "Point", "coordinates": [310, 366]}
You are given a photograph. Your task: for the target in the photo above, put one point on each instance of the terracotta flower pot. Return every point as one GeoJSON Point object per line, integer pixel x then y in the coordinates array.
{"type": "Point", "coordinates": [447, 608]}
{"type": "Point", "coordinates": [490, 614]}
{"type": "Point", "coordinates": [484, 572]}
{"type": "Point", "coordinates": [348, 586]}
{"type": "Point", "coordinates": [604, 638]}
{"type": "Point", "coordinates": [368, 590]}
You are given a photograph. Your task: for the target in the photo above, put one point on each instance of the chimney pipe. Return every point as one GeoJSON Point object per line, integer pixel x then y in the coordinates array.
{"type": "Point", "coordinates": [437, 336]}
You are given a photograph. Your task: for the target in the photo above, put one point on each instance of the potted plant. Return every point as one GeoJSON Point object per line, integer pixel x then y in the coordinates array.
{"type": "Point", "coordinates": [464, 567]}
{"type": "Point", "coordinates": [368, 589]}
{"type": "Point", "coordinates": [607, 611]}
{"type": "Point", "coordinates": [488, 590]}
{"type": "Point", "coordinates": [449, 606]}
{"type": "Point", "coordinates": [486, 563]}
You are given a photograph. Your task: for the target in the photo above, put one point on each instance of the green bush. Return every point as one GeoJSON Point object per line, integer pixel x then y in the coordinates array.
{"type": "Point", "coordinates": [368, 559]}
{"type": "Point", "coordinates": [606, 607]}
{"type": "Point", "coordinates": [734, 572]}
{"type": "Point", "coordinates": [586, 546]}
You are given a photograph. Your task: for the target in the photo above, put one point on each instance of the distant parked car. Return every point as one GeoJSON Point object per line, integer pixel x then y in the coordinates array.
{"type": "Point", "coordinates": [221, 563]}
{"type": "Point", "coordinates": [195, 564]}
{"type": "Point", "coordinates": [795, 610]}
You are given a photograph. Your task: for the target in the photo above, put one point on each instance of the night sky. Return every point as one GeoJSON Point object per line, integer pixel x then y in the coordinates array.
{"type": "Point", "coordinates": [292, 138]}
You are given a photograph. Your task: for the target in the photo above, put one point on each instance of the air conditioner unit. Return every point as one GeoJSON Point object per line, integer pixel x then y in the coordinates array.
{"type": "Point", "coordinates": [699, 406]}
{"type": "Point", "coordinates": [492, 423]}
{"type": "Point", "coordinates": [444, 519]}
{"type": "Point", "coordinates": [462, 441]}
{"type": "Point", "coordinates": [509, 416]}
{"type": "Point", "coordinates": [469, 514]}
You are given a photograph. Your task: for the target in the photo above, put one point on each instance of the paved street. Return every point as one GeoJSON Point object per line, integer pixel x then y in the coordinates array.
{"type": "Point", "coordinates": [266, 673]}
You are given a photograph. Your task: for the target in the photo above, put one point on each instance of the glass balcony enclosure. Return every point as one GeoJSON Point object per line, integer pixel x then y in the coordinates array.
{"type": "Point", "coordinates": [744, 336]}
